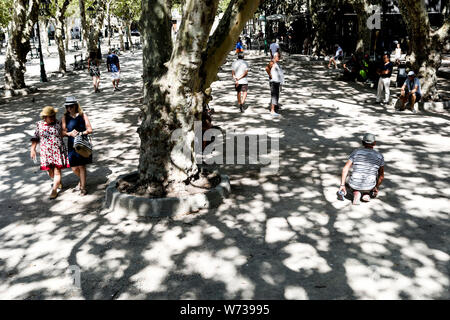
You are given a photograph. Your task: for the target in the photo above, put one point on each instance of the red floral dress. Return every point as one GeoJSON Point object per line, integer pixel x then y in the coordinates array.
{"type": "Point", "coordinates": [53, 150]}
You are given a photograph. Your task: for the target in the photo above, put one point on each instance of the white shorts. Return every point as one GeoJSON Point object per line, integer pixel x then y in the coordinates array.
{"type": "Point", "coordinates": [115, 75]}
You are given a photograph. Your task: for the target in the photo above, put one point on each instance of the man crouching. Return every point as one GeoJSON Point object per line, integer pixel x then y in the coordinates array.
{"type": "Point", "coordinates": [368, 171]}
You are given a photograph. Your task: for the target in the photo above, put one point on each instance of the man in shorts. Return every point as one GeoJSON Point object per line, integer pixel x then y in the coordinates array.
{"type": "Point", "coordinates": [367, 174]}
{"type": "Point", "coordinates": [410, 91]}
{"type": "Point", "coordinates": [240, 73]}
{"type": "Point", "coordinates": [112, 62]}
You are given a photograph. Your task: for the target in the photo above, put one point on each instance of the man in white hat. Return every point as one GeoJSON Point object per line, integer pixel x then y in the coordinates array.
{"type": "Point", "coordinates": [410, 91]}
{"type": "Point", "coordinates": [368, 171]}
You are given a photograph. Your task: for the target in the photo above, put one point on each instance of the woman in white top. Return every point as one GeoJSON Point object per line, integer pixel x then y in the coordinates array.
{"type": "Point", "coordinates": [276, 77]}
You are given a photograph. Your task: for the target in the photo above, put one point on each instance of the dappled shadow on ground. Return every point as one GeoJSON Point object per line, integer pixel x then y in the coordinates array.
{"type": "Point", "coordinates": [280, 236]}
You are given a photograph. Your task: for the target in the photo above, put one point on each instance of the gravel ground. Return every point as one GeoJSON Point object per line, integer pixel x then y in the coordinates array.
{"type": "Point", "coordinates": [279, 236]}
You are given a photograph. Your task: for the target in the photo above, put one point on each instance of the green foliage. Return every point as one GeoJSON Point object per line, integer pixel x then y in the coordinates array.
{"type": "Point", "coordinates": [127, 10]}
{"type": "Point", "coordinates": [5, 12]}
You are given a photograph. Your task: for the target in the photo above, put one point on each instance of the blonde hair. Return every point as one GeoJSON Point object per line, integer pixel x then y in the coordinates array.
{"type": "Point", "coordinates": [79, 109]}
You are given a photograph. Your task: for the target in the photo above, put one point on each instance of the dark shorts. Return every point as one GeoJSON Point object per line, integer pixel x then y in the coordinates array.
{"type": "Point", "coordinates": [274, 92]}
{"type": "Point", "coordinates": [241, 87]}
{"type": "Point", "coordinates": [418, 95]}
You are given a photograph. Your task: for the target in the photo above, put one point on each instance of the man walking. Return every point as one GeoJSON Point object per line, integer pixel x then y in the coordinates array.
{"type": "Point", "coordinates": [384, 82]}
{"type": "Point", "coordinates": [276, 77]}
{"type": "Point", "coordinates": [112, 62]}
{"type": "Point", "coordinates": [410, 91]}
{"type": "Point", "coordinates": [240, 73]}
{"type": "Point", "coordinates": [368, 171]}
{"type": "Point", "coordinates": [274, 48]}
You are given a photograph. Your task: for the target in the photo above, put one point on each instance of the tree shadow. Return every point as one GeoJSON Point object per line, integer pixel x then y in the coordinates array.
{"type": "Point", "coordinates": [281, 236]}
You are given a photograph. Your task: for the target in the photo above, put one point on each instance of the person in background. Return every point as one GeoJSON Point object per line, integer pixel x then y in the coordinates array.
{"type": "Point", "coordinates": [239, 46]}
{"type": "Point", "coordinates": [384, 82]}
{"type": "Point", "coordinates": [276, 77]}
{"type": "Point", "coordinates": [410, 91]}
{"type": "Point", "coordinates": [113, 64]}
{"type": "Point", "coordinates": [367, 174]}
{"type": "Point", "coordinates": [339, 55]}
{"type": "Point", "coordinates": [75, 122]}
{"type": "Point", "coordinates": [240, 73]}
{"type": "Point", "coordinates": [94, 70]}
{"type": "Point", "coordinates": [274, 48]}
{"type": "Point", "coordinates": [53, 152]}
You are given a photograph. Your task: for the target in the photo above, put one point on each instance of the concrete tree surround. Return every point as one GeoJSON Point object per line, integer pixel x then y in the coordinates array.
{"type": "Point", "coordinates": [164, 207]}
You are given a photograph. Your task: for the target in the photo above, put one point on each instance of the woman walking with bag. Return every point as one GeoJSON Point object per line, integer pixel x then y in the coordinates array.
{"type": "Point", "coordinates": [53, 152]}
{"type": "Point", "coordinates": [94, 70]}
{"type": "Point", "coordinates": [76, 122]}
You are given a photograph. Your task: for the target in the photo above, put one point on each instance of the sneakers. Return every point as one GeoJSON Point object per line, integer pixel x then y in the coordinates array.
{"type": "Point", "coordinates": [365, 198]}
{"type": "Point", "coordinates": [356, 197]}
{"type": "Point", "coordinates": [274, 114]}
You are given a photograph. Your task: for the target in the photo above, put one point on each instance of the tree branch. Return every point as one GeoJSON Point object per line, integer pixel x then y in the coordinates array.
{"type": "Point", "coordinates": [225, 36]}
{"type": "Point", "coordinates": [155, 24]}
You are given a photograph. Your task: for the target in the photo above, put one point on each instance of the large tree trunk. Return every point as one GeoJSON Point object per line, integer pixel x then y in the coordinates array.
{"type": "Point", "coordinates": [43, 26]}
{"type": "Point", "coordinates": [128, 31]}
{"type": "Point", "coordinates": [320, 24]}
{"type": "Point", "coordinates": [96, 27]}
{"type": "Point", "coordinates": [108, 15]}
{"type": "Point", "coordinates": [85, 24]}
{"type": "Point", "coordinates": [68, 26]}
{"type": "Point", "coordinates": [426, 45]}
{"type": "Point", "coordinates": [121, 42]}
{"type": "Point", "coordinates": [59, 18]}
{"type": "Point", "coordinates": [25, 14]}
{"type": "Point", "coordinates": [174, 81]}
{"type": "Point", "coordinates": [361, 8]}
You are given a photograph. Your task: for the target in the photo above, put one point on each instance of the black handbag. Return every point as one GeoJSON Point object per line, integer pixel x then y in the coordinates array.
{"type": "Point", "coordinates": [83, 145]}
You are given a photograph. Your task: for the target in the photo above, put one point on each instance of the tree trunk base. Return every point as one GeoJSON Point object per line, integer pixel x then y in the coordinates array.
{"type": "Point", "coordinates": [200, 183]}
{"type": "Point", "coordinates": [8, 93]}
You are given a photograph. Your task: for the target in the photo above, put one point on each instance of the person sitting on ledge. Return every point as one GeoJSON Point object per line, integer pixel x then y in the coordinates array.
{"type": "Point", "coordinates": [367, 174]}
{"type": "Point", "coordinates": [410, 91]}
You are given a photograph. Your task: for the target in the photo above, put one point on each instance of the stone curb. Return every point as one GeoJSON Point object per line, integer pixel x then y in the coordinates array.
{"type": "Point", "coordinates": [164, 207]}
{"type": "Point", "coordinates": [434, 106]}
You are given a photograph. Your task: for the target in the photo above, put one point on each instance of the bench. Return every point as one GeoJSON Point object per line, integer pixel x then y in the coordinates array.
{"type": "Point", "coordinates": [34, 52]}
{"type": "Point", "coordinates": [79, 63]}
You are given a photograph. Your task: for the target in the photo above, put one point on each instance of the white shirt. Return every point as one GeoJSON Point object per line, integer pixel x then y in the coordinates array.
{"type": "Point", "coordinates": [398, 53]}
{"type": "Point", "coordinates": [274, 47]}
{"type": "Point", "coordinates": [277, 74]}
{"type": "Point", "coordinates": [239, 67]}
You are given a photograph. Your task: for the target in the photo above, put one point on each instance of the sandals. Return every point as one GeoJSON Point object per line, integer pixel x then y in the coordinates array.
{"type": "Point", "coordinates": [83, 192]}
{"type": "Point", "coordinates": [53, 194]}
{"type": "Point", "coordinates": [365, 198]}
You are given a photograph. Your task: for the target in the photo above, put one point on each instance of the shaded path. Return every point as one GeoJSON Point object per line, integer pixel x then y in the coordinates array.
{"type": "Point", "coordinates": [276, 237]}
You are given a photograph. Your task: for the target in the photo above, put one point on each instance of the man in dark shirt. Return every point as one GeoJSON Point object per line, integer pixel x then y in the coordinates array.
{"type": "Point", "coordinates": [112, 62]}
{"type": "Point", "coordinates": [385, 72]}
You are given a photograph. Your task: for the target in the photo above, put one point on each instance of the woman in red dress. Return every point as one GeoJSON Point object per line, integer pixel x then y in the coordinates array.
{"type": "Point", "coordinates": [53, 152]}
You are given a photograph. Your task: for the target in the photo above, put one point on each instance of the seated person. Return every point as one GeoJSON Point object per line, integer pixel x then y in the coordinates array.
{"type": "Point", "coordinates": [410, 91]}
{"type": "Point", "coordinates": [338, 56]}
{"type": "Point", "coordinates": [368, 171]}
{"type": "Point", "coordinates": [351, 69]}
{"type": "Point", "coordinates": [363, 74]}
